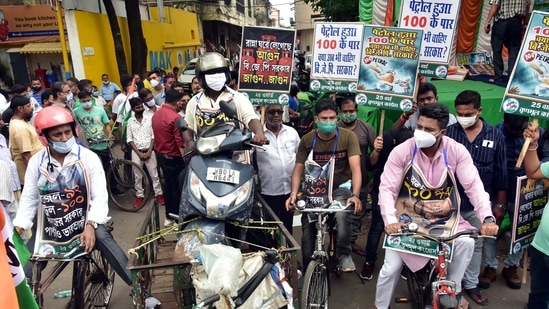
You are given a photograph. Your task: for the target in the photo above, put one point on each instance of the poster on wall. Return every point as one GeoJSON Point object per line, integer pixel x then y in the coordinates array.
{"type": "Point", "coordinates": [27, 23]}
{"type": "Point", "coordinates": [527, 92]}
{"type": "Point", "coordinates": [530, 203]}
{"type": "Point", "coordinates": [266, 58]}
{"type": "Point", "coordinates": [388, 67]}
{"type": "Point", "coordinates": [438, 20]}
{"type": "Point", "coordinates": [336, 56]}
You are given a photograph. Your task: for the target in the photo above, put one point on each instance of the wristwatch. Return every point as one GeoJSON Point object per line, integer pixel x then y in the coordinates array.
{"type": "Point", "coordinates": [356, 195]}
{"type": "Point", "coordinates": [501, 206]}
{"type": "Point", "coordinates": [92, 223]}
{"type": "Point", "coordinates": [489, 219]}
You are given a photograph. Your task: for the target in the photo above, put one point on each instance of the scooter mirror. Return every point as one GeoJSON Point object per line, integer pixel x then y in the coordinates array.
{"type": "Point", "coordinates": [181, 124]}
{"type": "Point", "coordinates": [228, 108]}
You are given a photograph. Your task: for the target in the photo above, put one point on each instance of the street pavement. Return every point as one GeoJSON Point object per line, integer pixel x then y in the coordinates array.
{"type": "Point", "coordinates": [347, 291]}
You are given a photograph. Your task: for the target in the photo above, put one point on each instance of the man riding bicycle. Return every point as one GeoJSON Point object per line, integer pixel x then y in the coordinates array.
{"type": "Point", "coordinates": [62, 177]}
{"type": "Point", "coordinates": [428, 163]}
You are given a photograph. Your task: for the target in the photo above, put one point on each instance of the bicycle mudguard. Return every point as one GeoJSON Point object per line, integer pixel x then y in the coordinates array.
{"type": "Point", "coordinates": [447, 301]}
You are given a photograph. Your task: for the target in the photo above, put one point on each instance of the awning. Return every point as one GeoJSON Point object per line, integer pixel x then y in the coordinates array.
{"type": "Point", "coordinates": [42, 48]}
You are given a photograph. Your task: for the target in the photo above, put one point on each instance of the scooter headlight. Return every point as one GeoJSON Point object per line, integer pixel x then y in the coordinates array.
{"type": "Point", "coordinates": [194, 185]}
{"type": "Point", "coordinates": [208, 145]}
{"type": "Point", "coordinates": [243, 193]}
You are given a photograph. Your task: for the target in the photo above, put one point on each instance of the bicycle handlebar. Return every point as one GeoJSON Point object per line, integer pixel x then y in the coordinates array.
{"type": "Point", "coordinates": [100, 140]}
{"type": "Point", "coordinates": [326, 209]}
{"type": "Point", "coordinates": [472, 233]}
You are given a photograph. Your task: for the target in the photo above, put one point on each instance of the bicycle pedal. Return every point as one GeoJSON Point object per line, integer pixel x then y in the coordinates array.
{"type": "Point", "coordinates": [399, 300]}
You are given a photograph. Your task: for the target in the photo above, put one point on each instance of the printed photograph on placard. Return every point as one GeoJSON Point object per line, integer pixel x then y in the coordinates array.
{"type": "Point", "coordinates": [527, 92]}
{"type": "Point", "coordinates": [266, 59]}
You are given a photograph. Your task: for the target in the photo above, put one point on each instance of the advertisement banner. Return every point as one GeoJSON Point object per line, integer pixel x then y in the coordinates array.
{"type": "Point", "coordinates": [28, 23]}
{"type": "Point", "coordinates": [527, 92]}
{"type": "Point", "coordinates": [388, 67]}
{"type": "Point", "coordinates": [529, 205]}
{"type": "Point", "coordinates": [336, 56]}
{"type": "Point", "coordinates": [266, 60]}
{"type": "Point", "coordinates": [438, 20]}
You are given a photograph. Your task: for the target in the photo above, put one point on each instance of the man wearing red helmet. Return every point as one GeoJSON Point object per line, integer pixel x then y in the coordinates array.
{"type": "Point", "coordinates": [71, 209]}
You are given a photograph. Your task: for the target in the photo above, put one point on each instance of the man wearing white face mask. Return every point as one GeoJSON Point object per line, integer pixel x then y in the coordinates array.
{"type": "Point", "coordinates": [486, 145]}
{"type": "Point", "coordinates": [213, 73]}
{"type": "Point", "coordinates": [429, 163]}
{"type": "Point", "coordinates": [158, 90]}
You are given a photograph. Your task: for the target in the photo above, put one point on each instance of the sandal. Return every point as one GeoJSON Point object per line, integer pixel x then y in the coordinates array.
{"type": "Point", "coordinates": [356, 249]}
{"type": "Point", "coordinates": [462, 302]}
{"type": "Point", "coordinates": [476, 295]}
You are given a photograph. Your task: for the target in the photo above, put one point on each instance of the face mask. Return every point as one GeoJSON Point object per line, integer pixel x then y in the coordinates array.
{"type": "Point", "coordinates": [466, 122]}
{"type": "Point", "coordinates": [150, 103]}
{"type": "Point", "coordinates": [424, 139]}
{"type": "Point", "coordinates": [86, 105]}
{"type": "Point", "coordinates": [154, 83]}
{"type": "Point", "coordinates": [95, 94]}
{"type": "Point", "coordinates": [216, 81]}
{"type": "Point", "coordinates": [106, 82]}
{"type": "Point", "coordinates": [29, 95]}
{"type": "Point", "coordinates": [63, 147]}
{"type": "Point", "coordinates": [69, 96]}
{"type": "Point", "coordinates": [36, 89]}
{"type": "Point", "coordinates": [348, 118]}
{"type": "Point", "coordinates": [326, 127]}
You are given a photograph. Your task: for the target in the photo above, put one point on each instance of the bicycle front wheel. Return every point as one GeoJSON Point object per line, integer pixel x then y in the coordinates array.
{"type": "Point", "coordinates": [315, 286]}
{"type": "Point", "coordinates": [122, 186]}
{"type": "Point", "coordinates": [99, 282]}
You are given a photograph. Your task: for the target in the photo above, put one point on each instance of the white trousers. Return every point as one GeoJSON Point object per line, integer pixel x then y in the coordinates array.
{"type": "Point", "coordinates": [153, 171]}
{"type": "Point", "coordinates": [392, 266]}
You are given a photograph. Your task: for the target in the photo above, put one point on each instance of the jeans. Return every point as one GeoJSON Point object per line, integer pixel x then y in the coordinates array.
{"type": "Point", "coordinates": [308, 240]}
{"type": "Point", "coordinates": [470, 278]}
{"type": "Point", "coordinates": [278, 205]}
{"type": "Point", "coordinates": [539, 289]}
{"type": "Point", "coordinates": [489, 248]}
{"type": "Point", "coordinates": [375, 232]}
{"type": "Point", "coordinates": [105, 243]}
{"type": "Point", "coordinates": [153, 172]}
{"type": "Point", "coordinates": [506, 32]}
{"type": "Point", "coordinates": [172, 167]}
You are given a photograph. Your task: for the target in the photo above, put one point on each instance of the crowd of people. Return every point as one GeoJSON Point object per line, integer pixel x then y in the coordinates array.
{"type": "Point", "coordinates": [53, 132]}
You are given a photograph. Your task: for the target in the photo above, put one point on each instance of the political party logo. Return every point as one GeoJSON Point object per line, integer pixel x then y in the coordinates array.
{"type": "Point", "coordinates": [352, 87]}
{"type": "Point", "coordinates": [283, 99]}
{"type": "Point", "coordinates": [441, 71]}
{"type": "Point", "coordinates": [517, 248]}
{"type": "Point", "coordinates": [510, 105]}
{"type": "Point", "coordinates": [246, 95]}
{"type": "Point", "coordinates": [406, 105]}
{"type": "Point", "coordinates": [315, 85]}
{"type": "Point", "coordinates": [361, 99]}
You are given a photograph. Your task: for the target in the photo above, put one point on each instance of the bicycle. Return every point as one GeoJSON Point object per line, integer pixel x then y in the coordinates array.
{"type": "Point", "coordinates": [121, 180]}
{"type": "Point", "coordinates": [429, 286]}
{"type": "Point", "coordinates": [92, 280]}
{"type": "Point", "coordinates": [316, 280]}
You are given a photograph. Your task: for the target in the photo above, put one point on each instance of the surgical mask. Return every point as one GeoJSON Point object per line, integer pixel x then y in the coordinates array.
{"type": "Point", "coordinates": [95, 93]}
{"type": "Point", "coordinates": [424, 139]}
{"type": "Point", "coordinates": [69, 96]}
{"type": "Point", "coordinates": [326, 127]}
{"type": "Point", "coordinates": [467, 122]}
{"type": "Point", "coordinates": [150, 103]}
{"type": "Point", "coordinates": [86, 105]}
{"type": "Point", "coordinates": [154, 83]}
{"type": "Point", "coordinates": [216, 81]}
{"type": "Point", "coordinates": [29, 95]}
{"type": "Point", "coordinates": [348, 118]}
{"type": "Point", "coordinates": [63, 147]}
{"type": "Point", "coordinates": [106, 82]}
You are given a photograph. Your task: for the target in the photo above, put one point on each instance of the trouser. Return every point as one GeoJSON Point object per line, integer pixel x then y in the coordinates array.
{"type": "Point", "coordinates": [153, 172]}
{"type": "Point", "coordinates": [470, 278]}
{"type": "Point", "coordinates": [171, 167]}
{"type": "Point", "coordinates": [506, 32]}
{"type": "Point", "coordinates": [392, 266]}
{"type": "Point", "coordinates": [105, 161]}
{"type": "Point", "coordinates": [539, 289]}
{"type": "Point", "coordinates": [489, 248]}
{"type": "Point", "coordinates": [375, 232]}
{"type": "Point", "coordinates": [278, 205]}
{"type": "Point", "coordinates": [105, 243]}
{"type": "Point", "coordinates": [308, 240]}
{"type": "Point", "coordinates": [356, 220]}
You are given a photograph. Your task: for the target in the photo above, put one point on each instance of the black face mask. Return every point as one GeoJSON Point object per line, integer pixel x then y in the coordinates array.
{"type": "Point", "coordinates": [36, 89]}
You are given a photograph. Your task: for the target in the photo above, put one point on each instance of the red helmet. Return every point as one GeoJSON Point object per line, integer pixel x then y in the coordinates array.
{"type": "Point", "coordinates": [52, 116]}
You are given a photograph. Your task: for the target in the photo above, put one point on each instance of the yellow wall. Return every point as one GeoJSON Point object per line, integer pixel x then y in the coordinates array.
{"type": "Point", "coordinates": [169, 44]}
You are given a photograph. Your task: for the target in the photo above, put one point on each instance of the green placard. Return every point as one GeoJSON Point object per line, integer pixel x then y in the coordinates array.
{"type": "Point", "coordinates": [385, 101]}
{"type": "Point", "coordinates": [267, 98]}
{"type": "Point", "coordinates": [317, 85]}
{"type": "Point", "coordinates": [416, 245]}
{"type": "Point", "coordinates": [433, 70]}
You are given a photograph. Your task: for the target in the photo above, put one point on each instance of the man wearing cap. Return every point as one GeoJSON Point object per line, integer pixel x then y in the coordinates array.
{"type": "Point", "coordinates": [24, 142]}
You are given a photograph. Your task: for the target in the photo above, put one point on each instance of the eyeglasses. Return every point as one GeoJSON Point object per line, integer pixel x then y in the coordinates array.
{"type": "Point", "coordinates": [272, 112]}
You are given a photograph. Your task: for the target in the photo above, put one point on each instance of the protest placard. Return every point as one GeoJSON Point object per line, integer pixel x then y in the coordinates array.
{"type": "Point", "coordinates": [336, 56]}
{"type": "Point", "coordinates": [527, 92]}
{"type": "Point", "coordinates": [388, 67]}
{"type": "Point", "coordinates": [266, 59]}
{"type": "Point", "coordinates": [438, 20]}
{"type": "Point", "coordinates": [530, 201]}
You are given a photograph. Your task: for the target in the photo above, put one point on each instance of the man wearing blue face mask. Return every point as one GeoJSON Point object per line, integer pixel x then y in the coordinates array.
{"type": "Point", "coordinates": [329, 156]}
{"type": "Point", "coordinates": [108, 88]}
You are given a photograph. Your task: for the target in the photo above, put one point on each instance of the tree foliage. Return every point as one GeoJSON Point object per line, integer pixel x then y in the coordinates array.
{"type": "Point", "coordinates": [336, 10]}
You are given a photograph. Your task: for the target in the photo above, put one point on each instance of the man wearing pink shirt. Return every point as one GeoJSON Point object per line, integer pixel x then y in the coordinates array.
{"type": "Point", "coordinates": [433, 162]}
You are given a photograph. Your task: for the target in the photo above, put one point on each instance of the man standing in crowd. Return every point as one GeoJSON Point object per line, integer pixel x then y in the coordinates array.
{"type": "Point", "coordinates": [158, 90]}
{"type": "Point", "coordinates": [108, 88]}
{"type": "Point", "coordinates": [432, 160]}
{"type": "Point", "coordinates": [327, 157]}
{"type": "Point", "coordinates": [73, 86]}
{"type": "Point", "coordinates": [487, 148]}
{"type": "Point", "coordinates": [61, 94]}
{"type": "Point", "coordinates": [195, 85]}
{"type": "Point", "coordinates": [140, 138]}
{"type": "Point", "coordinates": [169, 148]}
{"type": "Point", "coordinates": [365, 133]}
{"type": "Point", "coordinates": [87, 85]}
{"type": "Point", "coordinates": [506, 30]}
{"type": "Point", "coordinates": [275, 165]}
{"type": "Point", "coordinates": [46, 98]}
{"type": "Point", "coordinates": [36, 86]}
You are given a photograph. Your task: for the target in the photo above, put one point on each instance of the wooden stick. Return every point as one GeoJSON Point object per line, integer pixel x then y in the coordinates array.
{"type": "Point", "coordinates": [525, 266]}
{"type": "Point", "coordinates": [526, 145]}
{"type": "Point", "coordinates": [381, 122]}
{"type": "Point", "coordinates": [263, 109]}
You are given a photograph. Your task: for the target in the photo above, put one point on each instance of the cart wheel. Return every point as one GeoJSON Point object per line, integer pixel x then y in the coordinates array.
{"type": "Point", "coordinates": [189, 297]}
